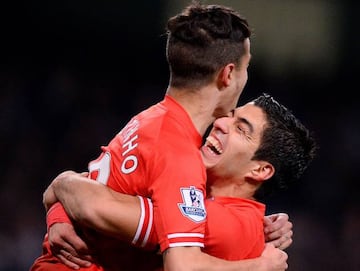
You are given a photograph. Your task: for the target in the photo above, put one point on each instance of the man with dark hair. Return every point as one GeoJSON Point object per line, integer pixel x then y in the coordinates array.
{"type": "Point", "coordinates": [259, 146]}
{"type": "Point", "coordinates": [156, 155]}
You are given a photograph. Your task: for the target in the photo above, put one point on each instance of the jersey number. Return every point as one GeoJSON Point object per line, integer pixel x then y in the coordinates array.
{"type": "Point", "coordinates": [101, 167]}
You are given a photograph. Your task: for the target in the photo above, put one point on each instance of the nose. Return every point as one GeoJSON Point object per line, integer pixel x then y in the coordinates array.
{"type": "Point", "coordinates": [222, 124]}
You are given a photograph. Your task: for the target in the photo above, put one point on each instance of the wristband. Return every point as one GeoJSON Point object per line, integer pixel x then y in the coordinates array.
{"type": "Point", "coordinates": [56, 214]}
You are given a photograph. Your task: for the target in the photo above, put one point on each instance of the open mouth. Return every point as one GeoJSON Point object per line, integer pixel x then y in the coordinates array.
{"type": "Point", "coordinates": [214, 145]}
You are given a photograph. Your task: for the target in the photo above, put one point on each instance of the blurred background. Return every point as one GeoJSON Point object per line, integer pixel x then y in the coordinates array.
{"type": "Point", "coordinates": [74, 72]}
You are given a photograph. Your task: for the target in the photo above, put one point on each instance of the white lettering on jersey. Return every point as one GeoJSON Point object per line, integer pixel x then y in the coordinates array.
{"type": "Point", "coordinates": [129, 129]}
{"type": "Point", "coordinates": [130, 162]}
{"type": "Point", "coordinates": [129, 145]}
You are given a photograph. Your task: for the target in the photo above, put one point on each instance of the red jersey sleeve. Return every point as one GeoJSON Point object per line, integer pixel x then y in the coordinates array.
{"type": "Point", "coordinates": [145, 236]}
{"type": "Point", "coordinates": [178, 196]}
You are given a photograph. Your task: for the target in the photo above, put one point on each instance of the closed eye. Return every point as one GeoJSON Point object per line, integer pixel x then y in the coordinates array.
{"type": "Point", "coordinates": [241, 130]}
{"type": "Point", "coordinates": [244, 132]}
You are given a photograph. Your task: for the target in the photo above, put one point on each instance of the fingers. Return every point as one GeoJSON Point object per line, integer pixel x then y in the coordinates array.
{"type": "Point", "coordinates": [275, 222]}
{"type": "Point", "coordinates": [284, 232]}
{"type": "Point", "coordinates": [277, 226]}
{"type": "Point", "coordinates": [66, 258]}
{"type": "Point", "coordinates": [76, 243]}
{"type": "Point", "coordinates": [282, 242]}
{"type": "Point", "coordinates": [76, 246]}
{"type": "Point", "coordinates": [80, 252]}
{"type": "Point", "coordinates": [67, 246]}
{"type": "Point", "coordinates": [285, 244]}
{"type": "Point", "coordinates": [278, 230]}
{"type": "Point", "coordinates": [71, 260]}
{"type": "Point", "coordinates": [276, 259]}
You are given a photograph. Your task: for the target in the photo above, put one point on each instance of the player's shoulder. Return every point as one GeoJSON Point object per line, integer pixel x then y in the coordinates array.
{"type": "Point", "coordinates": [240, 209]}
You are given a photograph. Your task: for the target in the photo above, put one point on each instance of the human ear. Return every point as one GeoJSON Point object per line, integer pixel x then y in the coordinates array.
{"type": "Point", "coordinates": [263, 172]}
{"type": "Point", "coordinates": [226, 74]}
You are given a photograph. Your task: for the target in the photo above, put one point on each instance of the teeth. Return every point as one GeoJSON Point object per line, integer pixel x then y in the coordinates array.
{"type": "Point", "coordinates": [214, 143]}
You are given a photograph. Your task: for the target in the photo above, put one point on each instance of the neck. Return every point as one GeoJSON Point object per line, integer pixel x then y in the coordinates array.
{"type": "Point", "coordinates": [199, 104]}
{"type": "Point", "coordinates": [235, 190]}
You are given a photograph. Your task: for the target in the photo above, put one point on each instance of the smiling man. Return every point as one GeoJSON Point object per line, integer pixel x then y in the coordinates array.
{"type": "Point", "coordinates": [208, 52]}
{"type": "Point", "coordinates": [257, 149]}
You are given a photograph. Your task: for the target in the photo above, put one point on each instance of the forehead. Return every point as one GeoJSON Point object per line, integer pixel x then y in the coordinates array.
{"type": "Point", "coordinates": [252, 113]}
{"type": "Point", "coordinates": [247, 108]}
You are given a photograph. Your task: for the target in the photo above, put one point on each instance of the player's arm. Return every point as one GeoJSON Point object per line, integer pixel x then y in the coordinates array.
{"type": "Point", "coordinates": [100, 207]}
{"type": "Point", "coordinates": [191, 258]}
{"type": "Point", "coordinates": [64, 242]}
{"type": "Point", "coordinates": [112, 213]}
{"type": "Point", "coordinates": [94, 205]}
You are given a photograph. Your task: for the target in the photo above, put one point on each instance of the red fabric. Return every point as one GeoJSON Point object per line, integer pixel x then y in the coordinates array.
{"type": "Point", "coordinates": [157, 156]}
{"type": "Point", "coordinates": [235, 228]}
{"type": "Point", "coordinates": [48, 262]}
{"type": "Point", "coordinates": [56, 214]}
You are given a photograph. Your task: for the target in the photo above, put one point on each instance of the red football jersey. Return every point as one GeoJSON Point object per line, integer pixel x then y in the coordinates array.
{"type": "Point", "coordinates": [155, 155]}
{"type": "Point", "coordinates": [234, 228]}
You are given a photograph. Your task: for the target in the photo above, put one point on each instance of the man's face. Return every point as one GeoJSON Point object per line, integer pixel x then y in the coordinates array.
{"type": "Point", "coordinates": [239, 77]}
{"type": "Point", "coordinates": [242, 72]}
{"type": "Point", "coordinates": [232, 143]}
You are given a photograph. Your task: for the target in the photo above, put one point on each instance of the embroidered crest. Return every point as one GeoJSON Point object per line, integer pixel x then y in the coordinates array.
{"type": "Point", "coordinates": [193, 204]}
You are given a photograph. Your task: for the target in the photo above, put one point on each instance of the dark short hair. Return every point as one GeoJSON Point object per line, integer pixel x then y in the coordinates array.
{"type": "Point", "coordinates": [285, 143]}
{"type": "Point", "coordinates": [201, 40]}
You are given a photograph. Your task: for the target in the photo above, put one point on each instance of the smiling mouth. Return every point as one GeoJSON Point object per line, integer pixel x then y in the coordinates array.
{"type": "Point", "coordinates": [214, 145]}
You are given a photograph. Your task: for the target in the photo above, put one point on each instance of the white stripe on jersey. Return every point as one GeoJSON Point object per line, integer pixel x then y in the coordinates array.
{"type": "Point", "coordinates": [150, 224]}
{"type": "Point", "coordinates": [141, 222]}
{"type": "Point", "coordinates": [177, 235]}
{"type": "Point", "coordinates": [186, 244]}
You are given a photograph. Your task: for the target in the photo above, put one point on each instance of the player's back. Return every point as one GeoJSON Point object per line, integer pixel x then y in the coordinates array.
{"type": "Point", "coordinates": [133, 161]}
{"type": "Point", "coordinates": [138, 154]}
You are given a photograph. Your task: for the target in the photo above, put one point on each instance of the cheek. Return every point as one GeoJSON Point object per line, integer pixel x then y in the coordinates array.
{"type": "Point", "coordinates": [231, 163]}
{"type": "Point", "coordinates": [240, 85]}
{"type": "Point", "coordinates": [237, 159]}
{"type": "Point", "coordinates": [243, 79]}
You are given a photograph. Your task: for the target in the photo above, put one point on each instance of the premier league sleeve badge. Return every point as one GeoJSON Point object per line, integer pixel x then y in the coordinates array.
{"type": "Point", "coordinates": [193, 204]}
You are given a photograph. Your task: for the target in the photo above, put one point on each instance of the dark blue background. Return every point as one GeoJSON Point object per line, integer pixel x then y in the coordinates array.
{"type": "Point", "coordinates": [74, 72]}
